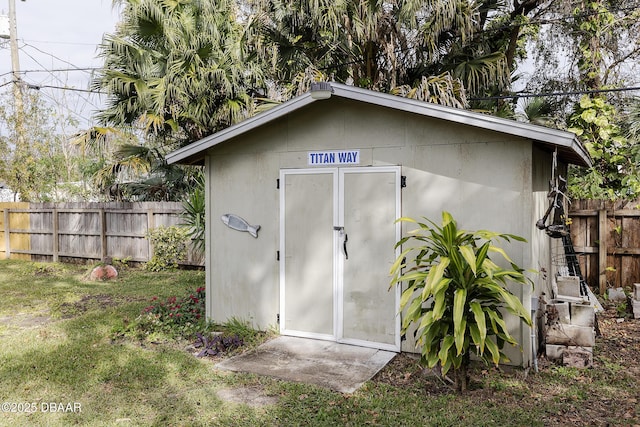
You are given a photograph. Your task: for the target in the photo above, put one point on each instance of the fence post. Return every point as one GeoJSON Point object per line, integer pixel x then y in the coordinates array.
{"type": "Point", "coordinates": [55, 237]}
{"type": "Point", "coordinates": [103, 234]}
{"type": "Point", "coordinates": [7, 235]}
{"type": "Point", "coordinates": [151, 224]}
{"type": "Point", "coordinates": [602, 250]}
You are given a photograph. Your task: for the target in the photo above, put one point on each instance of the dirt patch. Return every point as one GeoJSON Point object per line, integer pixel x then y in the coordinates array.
{"type": "Point", "coordinates": [25, 320]}
{"type": "Point", "coordinates": [619, 340]}
{"type": "Point", "coordinates": [89, 302]}
{"type": "Point", "coordinates": [66, 310]}
{"type": "Point", "coordinates": [251, 396]}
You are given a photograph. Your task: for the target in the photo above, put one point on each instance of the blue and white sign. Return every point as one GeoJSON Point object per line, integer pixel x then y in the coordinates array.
{"type": "Point", "coordinates": [329, 158]}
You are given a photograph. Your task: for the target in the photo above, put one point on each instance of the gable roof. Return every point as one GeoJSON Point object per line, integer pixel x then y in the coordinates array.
{"type": "Point", "coordinates": [569, 147]}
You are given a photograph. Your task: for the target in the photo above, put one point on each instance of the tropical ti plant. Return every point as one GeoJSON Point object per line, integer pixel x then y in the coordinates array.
{"type": "Point", "coordinates": [456, 295]}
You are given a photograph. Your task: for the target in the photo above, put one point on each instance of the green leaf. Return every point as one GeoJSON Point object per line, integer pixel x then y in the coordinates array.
{"type": "Point", "coordinates": [406, 295]}
{"type": "Point", "coordinates": [439, 302]}
{"type": "Point", "coordinates": [432, 359]}
{"type": "Point", "coordinates": [501, 252]}
{"type": "Point", "coordinates": [601, 121]}
{"type": "Point", "coordinates": [418, 276]}
{"type": "Point", "coordinates": [515, 306]}
{"type": "Point", "coordinates": [433, 281]}
{"type": "Point", "coordinates": [588, 116]}
{"type": "Point", "coordinates": [577, 131]}
{"type": "Point", "coordinates": [478, 314]}
{"type": "Point", "coordinates": [494, 351]}
{"type": "Point", "coordinates": [443, 354]}
{"type": "Point", "coordinates": [482, 255]}
{"type": "Point", "coordinates": [586, 102]}
{"type": "Point", "coordinates": [475, 336]}
{"type": "Point", "coordinates": [426, 324]}
{"type": "Point", "coordinates": [500, 327]}
{"type": "Point", "coordinates": [397, 265]}
{"type": "Point", "coordinates": [469, 255]}
{"type": "Point", "coordinates": [413, 313]}
{"type": "Point", "coordinates": [459, 324]}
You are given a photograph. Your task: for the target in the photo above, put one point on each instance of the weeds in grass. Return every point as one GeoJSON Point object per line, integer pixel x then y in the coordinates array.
{"type": "Point", "coordinates": [176, 317]}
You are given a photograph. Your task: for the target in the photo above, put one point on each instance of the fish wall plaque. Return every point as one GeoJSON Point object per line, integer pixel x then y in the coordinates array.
{"type": "Point", "coordinates": [235, 222]}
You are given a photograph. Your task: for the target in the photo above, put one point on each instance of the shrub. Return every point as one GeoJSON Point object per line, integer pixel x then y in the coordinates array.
{"type": "Point", "coordinates": [169, 247]}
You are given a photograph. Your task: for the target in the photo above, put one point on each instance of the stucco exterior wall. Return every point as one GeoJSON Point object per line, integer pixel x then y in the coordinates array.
{"type": "Point", "coordinates": [485, 179]}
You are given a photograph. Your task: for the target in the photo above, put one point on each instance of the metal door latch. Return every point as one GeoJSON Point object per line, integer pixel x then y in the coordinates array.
{"type": "Point", "coordinates": [344, 241]}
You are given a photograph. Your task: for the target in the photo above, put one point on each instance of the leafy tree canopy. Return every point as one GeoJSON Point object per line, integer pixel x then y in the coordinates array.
{"type": "Point", "coordinates": [45, 166]}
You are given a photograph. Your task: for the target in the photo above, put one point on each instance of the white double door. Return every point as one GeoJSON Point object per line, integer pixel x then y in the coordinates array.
{"type": "Point", "coordinates": [338, 232]}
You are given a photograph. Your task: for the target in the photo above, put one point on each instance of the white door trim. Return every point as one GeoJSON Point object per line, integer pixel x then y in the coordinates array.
{"type": "Point", "coordinates": [338, 265]}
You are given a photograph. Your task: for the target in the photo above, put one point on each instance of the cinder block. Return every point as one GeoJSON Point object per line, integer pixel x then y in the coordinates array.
{"type": "Point", "coordinates": [569, 286]}
{"type": "Point", "coordinates": [573, 347]}
{"type": "Point", "coordinates": [558, 311]}
{"type": "Point", "coordinates": [616, 295]}
{"type": "Point", "coordinates": [554, 352]}
{"type": "Point", "coordinates": [577, 357]}
{"type": "Point", "coordinates": [562, 334]}
{"type": "Point", "coordinates": [636, 291]}
{"type": "Point", "coordinates": [582, 315]}
{"type": "Point", "coordinates": [573, 300]}
{"type": "Point", "coordinates": [636, 309]}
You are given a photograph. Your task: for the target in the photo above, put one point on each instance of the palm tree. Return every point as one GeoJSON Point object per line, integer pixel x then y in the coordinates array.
{"type": "Point", "coordinates": [385, 44]}
{"type": "Point", "coordinates": [539, 111]}
{"type": "Point", "coordinates": [174, 72]}
{"type": "Point", "coordinates": [177, 68]}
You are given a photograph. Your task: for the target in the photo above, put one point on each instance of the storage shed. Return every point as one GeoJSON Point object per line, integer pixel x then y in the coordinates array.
{"type": "Point", "coordinates": [325, 175]}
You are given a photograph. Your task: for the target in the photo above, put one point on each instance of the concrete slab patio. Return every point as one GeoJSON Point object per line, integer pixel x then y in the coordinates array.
{"type": "Point", "coordinates": [339, 367]}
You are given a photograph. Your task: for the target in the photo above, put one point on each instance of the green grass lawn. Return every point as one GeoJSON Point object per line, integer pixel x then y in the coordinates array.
{"type": "Point", "coordinates": [58, 359]}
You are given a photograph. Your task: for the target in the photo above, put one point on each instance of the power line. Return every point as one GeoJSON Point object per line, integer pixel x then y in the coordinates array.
{"type": "Point", "coordinates": [58, 79]}
{"type": "Point", "coordinates": [88, 120]}
{"type": "Point", "coordinates": [71, 89]}
{"type": "Point", "coordinates": [54, 70]}
{"type": "Point", "coordinates": [550, 94]}
{"type": "Point", "coordinates": [564, 18]}
{"type": "Point", "coordinates": [51, 55]}
{"type": "Point", "coordinates": [65, 43]}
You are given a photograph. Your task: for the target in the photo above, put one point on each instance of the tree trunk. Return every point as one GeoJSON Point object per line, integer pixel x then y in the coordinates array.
{"type": "Point", "coordinates": [461, 377]}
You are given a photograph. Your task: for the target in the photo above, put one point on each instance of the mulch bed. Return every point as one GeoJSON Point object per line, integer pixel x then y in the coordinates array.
{"type": "Point", "coordinates": [610, 390]}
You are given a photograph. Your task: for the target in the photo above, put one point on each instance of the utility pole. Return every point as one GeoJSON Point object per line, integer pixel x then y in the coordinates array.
{"type": "Point", "coordinates": [17, 82]}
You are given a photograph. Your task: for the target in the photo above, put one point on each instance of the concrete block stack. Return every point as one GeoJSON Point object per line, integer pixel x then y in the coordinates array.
{"type": "Point", "coordinates": [570, 333]}
{"type": "Point", "coordinates": [636, 301]}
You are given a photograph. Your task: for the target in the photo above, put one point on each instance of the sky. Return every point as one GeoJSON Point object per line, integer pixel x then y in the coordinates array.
{"type": "Point", "coordinates": [59, 35]}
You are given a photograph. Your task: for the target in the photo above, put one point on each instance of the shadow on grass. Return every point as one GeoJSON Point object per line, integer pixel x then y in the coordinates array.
{"type": "Point", "coordinates": [73, 361]}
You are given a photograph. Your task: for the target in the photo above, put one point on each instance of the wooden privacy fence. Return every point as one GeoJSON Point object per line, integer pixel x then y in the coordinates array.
{"type": "Point", "coordinates": [85, 231]}
{"type": "Point", "coordinates": [606, 235]}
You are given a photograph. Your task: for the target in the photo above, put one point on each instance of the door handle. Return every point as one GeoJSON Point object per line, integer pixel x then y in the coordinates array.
{"type": "Point", "coordinates": [344, 246]}
{"type": "Point", "coordinates": [344, 240]}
